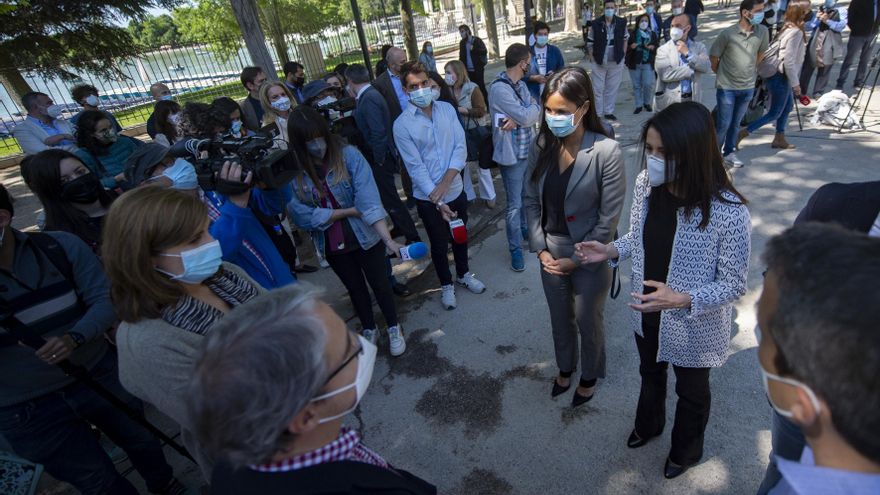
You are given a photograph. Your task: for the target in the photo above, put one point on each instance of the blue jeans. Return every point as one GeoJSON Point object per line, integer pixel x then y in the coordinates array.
{"type": "Point", "coordinates": [781, 103]}
{"type": "Point", "coordinates": [513, 177]}
{"type": "Point", "coordinates": [53, 430]}
{"type": "Point", "coordinates": [788, 443]}
{"type": "Point", "coordinates": [732, 107]}
{"type": "Point", "coordinates": [643, 84]}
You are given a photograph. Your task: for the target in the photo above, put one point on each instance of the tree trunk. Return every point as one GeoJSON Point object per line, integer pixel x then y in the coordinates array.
{"type": "Point", "coordinates": [271, 18]}
{"type": "Point", "coordinates": [572, 15]}
{"type": "Point", "coordinates": [491, 28]}
{"type": "Point", "coordinates": [247, 15]}
{"type": "Point", "coordinates": [542, 9]}
{"type": "Point", "coordinates": [409, 30]}
{"type": "Point", "coordinates": [12, 80]}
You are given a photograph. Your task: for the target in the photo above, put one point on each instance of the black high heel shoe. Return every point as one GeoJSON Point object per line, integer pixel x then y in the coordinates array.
{"type": "Point", "coordinates": [578, 399]}
{"type": "Point", "coordinates": [671, 470]}
{"type": "Point", "coordinates": [559, 389]}
{"type": "Point", "coordinates": [635, 441]}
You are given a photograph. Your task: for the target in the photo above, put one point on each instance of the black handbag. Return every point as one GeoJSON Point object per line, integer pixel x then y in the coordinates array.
{"type": "Point", "coordinates": [473, 137]}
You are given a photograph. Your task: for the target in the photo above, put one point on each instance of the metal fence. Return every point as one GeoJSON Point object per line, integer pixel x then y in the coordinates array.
{"type": "Point", "coordinates": [204, 71]}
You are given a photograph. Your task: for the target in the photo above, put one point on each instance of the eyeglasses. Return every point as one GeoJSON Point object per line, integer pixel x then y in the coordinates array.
{"type": "Point", "coordinates": [349, 359]}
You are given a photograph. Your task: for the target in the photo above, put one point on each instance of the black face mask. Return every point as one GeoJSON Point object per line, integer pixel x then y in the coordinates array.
{"type": "Point", "coordinates": [299, 81]}
{"type": "Point", "coordinates": [83, 190]}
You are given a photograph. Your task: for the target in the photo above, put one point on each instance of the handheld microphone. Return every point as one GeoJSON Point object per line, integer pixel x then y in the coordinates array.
{"type": "Point", "coordinates": [459, 231]}
{"type": "Point", "coordinates": [414, 251]}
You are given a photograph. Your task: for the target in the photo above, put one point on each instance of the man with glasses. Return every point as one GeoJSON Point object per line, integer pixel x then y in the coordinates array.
{"type": "Point", "coordinates": [302, 372]}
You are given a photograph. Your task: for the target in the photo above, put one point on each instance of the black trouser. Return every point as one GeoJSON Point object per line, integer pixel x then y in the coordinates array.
{"type": "Point", "coordinates": [692, 410]}
{"type": "Point", "coordinates": [384, 176]}
{"type": "Point", "coordinates": [808, 69]}
{"type": "Point", "coordinates": [476, 77]}
{"type": "Point", "coordinates": [440, 237]}
{"type": "Point", "coordinates": [351, 268]}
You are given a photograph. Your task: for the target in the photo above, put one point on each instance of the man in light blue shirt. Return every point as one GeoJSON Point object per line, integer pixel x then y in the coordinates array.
{"type": "Point", "coordinates": [818, 356]}
{"type": "Point", "coordinates": [431, 143]}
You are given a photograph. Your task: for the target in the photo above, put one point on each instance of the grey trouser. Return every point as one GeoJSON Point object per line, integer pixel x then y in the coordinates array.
{"type": "Point", "coordinates": [856, 46]}
{"type": "Point", "coordinates": [577, 305]}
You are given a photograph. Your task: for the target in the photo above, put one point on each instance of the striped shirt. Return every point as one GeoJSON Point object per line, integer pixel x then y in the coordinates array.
{"type": "Point", "coordinates": [197, 316]}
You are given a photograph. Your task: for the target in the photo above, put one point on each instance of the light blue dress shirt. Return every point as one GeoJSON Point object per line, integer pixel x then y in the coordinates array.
{"type": "Point", "coordinates": [429, 146]}
{"type": "Point", "coordinates": [52, 130]}
{"type": "Point", "coordinates": [402, 97]}
{"type": "Point", "coordinates": [805, 478]}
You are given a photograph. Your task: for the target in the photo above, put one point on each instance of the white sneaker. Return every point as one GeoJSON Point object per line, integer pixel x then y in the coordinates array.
{"type": "Point", "coordinates": [471, 282]}
{"type": "Point", "coordinates": [733, 161]}
{"type": "Point", "coordinates": [370, 334]}
{"type": "Point", "coordinates": [447, 296]}
{"type": "Point", "coordinates": [395, 337]}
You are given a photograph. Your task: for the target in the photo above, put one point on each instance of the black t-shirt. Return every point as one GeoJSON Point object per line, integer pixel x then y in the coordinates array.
{"type": "Point", "coordinates": [555, 186]}
{"type": "Point", "coordinates": [657, 240]}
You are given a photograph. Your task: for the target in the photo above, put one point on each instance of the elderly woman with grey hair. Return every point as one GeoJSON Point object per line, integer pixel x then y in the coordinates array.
{"type": "Point", "coordinates": [270, 391]}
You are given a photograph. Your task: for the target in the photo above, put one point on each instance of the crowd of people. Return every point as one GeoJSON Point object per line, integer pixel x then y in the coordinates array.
{"type": "Point", "coordinates": [170, 276]}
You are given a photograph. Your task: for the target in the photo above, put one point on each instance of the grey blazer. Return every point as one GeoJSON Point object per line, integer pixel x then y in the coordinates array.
{"type": "Point", "coordinates": [593, 200]}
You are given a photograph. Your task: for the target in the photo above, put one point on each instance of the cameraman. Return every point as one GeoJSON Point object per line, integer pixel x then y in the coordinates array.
{"type": "Point", "coordinates": [243, 238]}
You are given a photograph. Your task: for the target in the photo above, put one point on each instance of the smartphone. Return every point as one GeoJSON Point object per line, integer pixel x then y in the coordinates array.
{"type": "Point", "coordinates": [499, 119]}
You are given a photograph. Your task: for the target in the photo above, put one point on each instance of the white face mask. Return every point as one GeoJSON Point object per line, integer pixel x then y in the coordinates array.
{"type": "Point", "coordinates": [326, 101]}
{"type": "Point", "coordinates": [92, 100]}
{"type": "Point", "coordinates": [766, 376]}
{"type": "Point", "coordinates": [643, 25]}
{"type": "Point", "coordinates": [676, 33]}
{"type": "Point", "coordinates": [450, 79]}
{"type": "Point", "coordinates": [281, 104]}
{"type": "Point", "coordinates": [174, 118]}
{"type": "Point", "coordinates": [677, 11]}
{"type": "Point", "coordinates": [366, 362]}
{"type": "Point", "coordinates": [53, 111]}
{"type": "Point", "coordinates": [657, 170]}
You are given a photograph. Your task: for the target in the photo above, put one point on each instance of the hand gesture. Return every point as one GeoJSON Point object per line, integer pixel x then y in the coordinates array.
{"type": "Point", "coordinates": [662, 298]}
{"type": "Point", "coordinates": [592, 252]}
{"type": "Point", "coordinates": [558, 267]}
{"type": "Point", "coordinates": [56, 349]}
{"type": "Point", "coordinates": [232, 172]}
{"type": "Point", "coordinates": [439, 191]}
{"type": "Point", "coordinates": [509, 124]}
{"type": "Point", "coordinates": [447, 213]}
{"type": "Point", "coordinates": [394, 247]}
{"type": "Point", "coordinates": [682, 47]}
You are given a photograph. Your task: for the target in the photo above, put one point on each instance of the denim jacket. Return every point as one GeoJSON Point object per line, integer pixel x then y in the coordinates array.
{"type": "Point", "coordinates": [358, 190]}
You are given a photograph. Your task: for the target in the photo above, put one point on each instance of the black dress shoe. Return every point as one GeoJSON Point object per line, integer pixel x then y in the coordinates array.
{"type": "Point", "coordinates": [610, 116]}
{"type": "Point", "coordinates": [559, 389]}
{"type": "Point", "coordinates": [648, 108]}
{"type": "Point", "coordinates": [670, 470]}
{"type": "Point", "coordinates": [400, 289]}
{"type": "Point", "coordinates": [305, 269]}
{"type": "Point", "coordinates": [635, 441]}
{"type": "Point", "coordinates": [637, 110]}
{"type": "Point", "coordinates": [578, 399]}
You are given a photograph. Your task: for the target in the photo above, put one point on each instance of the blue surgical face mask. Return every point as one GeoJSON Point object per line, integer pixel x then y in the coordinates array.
{"type": "Point", "coordinates": [542, 40]}
{"type": "Point", "coordinates": [649, 10]}
{"type": "Point", "coordinates": [609, 13]}
{"type": "Point", "coordinates": [829, 4]}
{"type": "Point", "coordinates": [199, 263]}
{"type": "Point", "coordinates": [421, 97]}
{"type": "Point", "coordinates": [657, 170]}
{"type": "Point", "coordinates": [236, 127]}
{"type": "Point", "coordinates": [561, 125]}
{"type": "Point", "coordinates": [166, 97]}
{"type": "Point", "coordinates": [756, 18]}
{"type": "Point", "coordinates": [182, 175]}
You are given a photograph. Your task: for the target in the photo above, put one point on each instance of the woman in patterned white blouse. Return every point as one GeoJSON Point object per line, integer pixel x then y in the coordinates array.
{"type": "Point", "coordinates": [689, 241]}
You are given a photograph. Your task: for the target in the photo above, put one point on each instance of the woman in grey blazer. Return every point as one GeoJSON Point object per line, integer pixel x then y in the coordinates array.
{"type": "Point", "coordinates": [574, 192]}
{"type": "Point", "coordinates": [689, 241]}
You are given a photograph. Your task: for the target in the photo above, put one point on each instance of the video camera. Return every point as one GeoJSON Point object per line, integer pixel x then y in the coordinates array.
{"type": "Point", "coordinates": [272, 167]}
{"type": "Point", "coordinates": [337, 110]}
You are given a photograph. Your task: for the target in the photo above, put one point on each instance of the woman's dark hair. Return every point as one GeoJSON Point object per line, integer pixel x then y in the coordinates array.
{"type": "Point", "coordinates": [573, 84]}
{"type": "Point", "coordinates": [162, 110]}
{"type": "Point", "coordinates": [306, 124]}
{"type": "Point", "coordinates": [425, 46]}
{"type": "Point", "coordinates": [229, 106]}
{"type": "Point", "coordinates": [200, 120]}
{"type": "Point", "coordinates": [42, 174]}
{"type": "Point", "coordinates": [688, 135]}
{"type": "Point", "coordinates": [639, 19]}
{"type": "Point", "coordinates": [446, 93]}
{"type": "Point", "coordinates": [85, 131]}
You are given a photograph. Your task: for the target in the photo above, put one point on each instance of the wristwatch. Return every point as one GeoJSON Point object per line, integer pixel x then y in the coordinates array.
{"type": "Point", "coordinates": [439, 204]}
{"type": "Point", "coordinates": [78, 338]}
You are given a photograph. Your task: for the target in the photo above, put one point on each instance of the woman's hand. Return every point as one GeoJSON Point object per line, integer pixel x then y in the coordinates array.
{"type": "Point", "coordinates": [662, 298]}
{"type": "Point", "coordinates": [560, 267]}
{"type": "Point", "coordinates": [595, 252]}
{"type": "Point", "coordinates": [56, 349]}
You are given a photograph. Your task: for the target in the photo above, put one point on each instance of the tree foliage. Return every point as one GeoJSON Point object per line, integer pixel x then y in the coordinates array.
{"type": "Point", "coordinates": [46, 35]}
{"type": "Point", "coordinates": [155, 31]}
